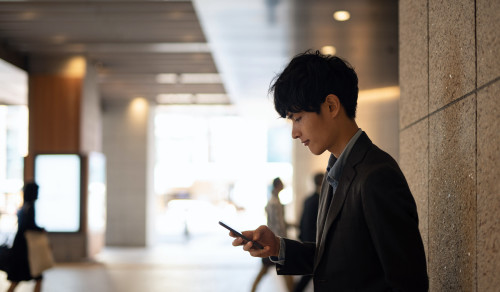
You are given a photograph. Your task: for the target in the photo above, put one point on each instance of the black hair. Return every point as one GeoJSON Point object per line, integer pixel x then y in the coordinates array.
{"type": "Point", "coordinates": [277, 182]}
{"type": "Point", "coordinates": [30, 192]}
{"type": "Point", "coordinates": [309, 78]}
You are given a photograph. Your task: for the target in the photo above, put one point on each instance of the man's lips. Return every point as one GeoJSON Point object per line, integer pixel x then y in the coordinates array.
{"type": "Point", "coordinates": [306, 142]}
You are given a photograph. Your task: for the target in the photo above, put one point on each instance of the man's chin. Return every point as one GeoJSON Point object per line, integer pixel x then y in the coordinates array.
{"type": "Point", "coordinates": [316, 151]}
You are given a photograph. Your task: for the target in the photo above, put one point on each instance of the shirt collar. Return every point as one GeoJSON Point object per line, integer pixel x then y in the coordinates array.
{"type": "Point", "coordinates": [335, 165]}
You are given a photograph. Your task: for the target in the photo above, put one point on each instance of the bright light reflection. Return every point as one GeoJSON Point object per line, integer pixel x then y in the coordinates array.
{"type": "Point", "coordinates": [379, 94]}
{"type": "Point", "coordinates": [329, 50]}
{"type": "Point", "coordinates": [138, 108]}
{"type": "Point", "coordinates": [341, 15]}
{"type": "Point", "coordinates": [75, 66]}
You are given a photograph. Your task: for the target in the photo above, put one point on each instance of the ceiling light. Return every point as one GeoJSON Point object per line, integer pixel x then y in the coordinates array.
{"type": "Point", "coordinates": [167, 78]}
{"type": "Point", "coordinates": [212, 98]}
{"type": "Point", "coordinates": [193, 78]}
{"type": "Point", "coordinates": [341, 15]}
{"type": "Point", "coordinates": [328, 50]}
{"type": "Point", "coordinates": [189, 78]}
{"type": "Point", "coordinates": [189, 98]}
{"type": "Point", "coordinates": [175, 98]}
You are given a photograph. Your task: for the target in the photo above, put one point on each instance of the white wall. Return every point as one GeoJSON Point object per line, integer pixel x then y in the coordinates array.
{"type": "Point", "coordinates": [125, 129]}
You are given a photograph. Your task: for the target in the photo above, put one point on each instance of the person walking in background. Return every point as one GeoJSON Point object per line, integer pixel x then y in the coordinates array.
{"type": "Point", "coordinates": [276, 221]}
{"type": "Point", "coordinates": [19, 269]}
{"type": "Point", "coordinates": [308, 224]}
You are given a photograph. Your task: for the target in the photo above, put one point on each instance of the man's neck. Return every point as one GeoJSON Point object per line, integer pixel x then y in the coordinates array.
{"type": "Point", "coordinates": [349, 130]}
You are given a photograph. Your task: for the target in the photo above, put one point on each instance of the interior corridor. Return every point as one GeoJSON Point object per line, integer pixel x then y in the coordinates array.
{"type": "Point", "coordinates": [206, 263]}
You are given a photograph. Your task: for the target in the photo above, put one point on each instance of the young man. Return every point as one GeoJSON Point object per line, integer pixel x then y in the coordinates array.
{"type": "Point", "coordinates": [367, 227]}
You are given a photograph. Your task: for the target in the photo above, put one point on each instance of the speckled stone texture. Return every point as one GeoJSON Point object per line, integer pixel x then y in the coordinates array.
{"type": "Point", "coordinates": [413, 61]}
{"type": "Point", "coordinates": [463, 122]}
{"type": "Point", "coordinates": [488, 189]}
{"type": "Point", "coordinates": [488, 40]}
{"type": "Point", "coordinates": [414, 163]}
{"type": "Point", "coordinates": [452, 67]}
{"type": "Point", "coordinates": [452, 198]}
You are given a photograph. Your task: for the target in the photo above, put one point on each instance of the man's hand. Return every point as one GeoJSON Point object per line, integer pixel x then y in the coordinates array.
{"type": "Point", "coordinates": [264, 236]}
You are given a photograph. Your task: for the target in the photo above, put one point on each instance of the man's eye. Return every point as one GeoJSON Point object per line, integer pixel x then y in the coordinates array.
{"type": "Point", "coordinates": [298, 119]}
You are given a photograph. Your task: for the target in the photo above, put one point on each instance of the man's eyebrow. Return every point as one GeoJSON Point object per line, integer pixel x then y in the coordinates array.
{"type": "Point", "coordinates": [290, 116]}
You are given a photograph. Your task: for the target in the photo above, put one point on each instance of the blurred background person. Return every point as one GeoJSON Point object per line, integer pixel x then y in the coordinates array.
{"type": "Point", "coordinates": [276, 221]}
{"type": "Point", "coordinates": [308, 224]}
{"type": "Point", "coordinates": [19, 269]}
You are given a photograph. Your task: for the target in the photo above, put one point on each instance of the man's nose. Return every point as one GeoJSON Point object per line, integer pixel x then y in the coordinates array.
{"type": "Point", "coordinates": [295, 132]}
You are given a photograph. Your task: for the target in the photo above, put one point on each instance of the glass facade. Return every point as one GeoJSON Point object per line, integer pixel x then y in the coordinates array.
{"type": "Point", "coordinates": [211, 164]}
{"type": "Point", "coordinates": [13, 149]}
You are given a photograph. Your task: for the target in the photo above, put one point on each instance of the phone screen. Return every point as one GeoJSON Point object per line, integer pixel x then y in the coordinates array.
{"type": "Point", "coordinates": [255, 244]}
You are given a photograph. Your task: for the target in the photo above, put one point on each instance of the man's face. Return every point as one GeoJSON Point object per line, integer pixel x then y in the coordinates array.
{"type": "Point", "coordinates": [314, 130]}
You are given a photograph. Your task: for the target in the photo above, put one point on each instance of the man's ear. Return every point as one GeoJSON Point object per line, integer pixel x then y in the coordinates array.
{"type": "Point", "coordinates": [333, 103]}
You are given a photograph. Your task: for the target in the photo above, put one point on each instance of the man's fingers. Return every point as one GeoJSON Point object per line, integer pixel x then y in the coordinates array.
{"type": "Point", "coordinates": [258, 232]}
{"type": "Point", "coordinates": [248, 246]}
{"type": "Point", "coordinates": [262, 253]}
{"type": "Point", "coordinates": [238, 241]}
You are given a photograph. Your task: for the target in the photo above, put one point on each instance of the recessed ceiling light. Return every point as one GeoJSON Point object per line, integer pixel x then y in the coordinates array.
{"type": "Point", "coordinates": [189, 98]}
{"type": "Point", "coordinates": [212, 98]}
{"type": "Point", "coordinates": [200, 78]}
{"type": "Point", "coordinates": [175, 98]}
{"type": "Point", "coordinates": [167, 78]}
{"type": "Point", "coordinates": [328, 50]}
{"type": "Point", "coordinates": [189, 78]}
{"type": "Point", "coordinates": [341, 15]}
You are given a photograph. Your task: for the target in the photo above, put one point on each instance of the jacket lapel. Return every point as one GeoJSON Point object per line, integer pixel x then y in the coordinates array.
{"type": "Point", "coordinates": [325, 194]}
{"type": "Point", "coordinates": [335, 206]}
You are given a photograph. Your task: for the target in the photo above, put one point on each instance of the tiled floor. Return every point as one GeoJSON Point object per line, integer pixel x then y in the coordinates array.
{"type": "Point", "coordinates": [203, 264]}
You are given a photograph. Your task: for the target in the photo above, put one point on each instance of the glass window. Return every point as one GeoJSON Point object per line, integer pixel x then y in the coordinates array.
{"type": "Point", "coordinates": [13, 149]}
{"type": "Point", "coordinates": [212, 164]}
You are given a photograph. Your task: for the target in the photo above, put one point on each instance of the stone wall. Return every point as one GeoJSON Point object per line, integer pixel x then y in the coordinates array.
{"type": "Point", "coordinates": [449, 136]}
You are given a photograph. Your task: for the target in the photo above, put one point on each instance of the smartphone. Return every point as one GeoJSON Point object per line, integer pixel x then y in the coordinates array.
{"type": "Point", "coordinates": [255, 243]}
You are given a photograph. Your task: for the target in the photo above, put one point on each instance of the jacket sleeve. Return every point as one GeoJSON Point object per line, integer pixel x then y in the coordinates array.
{"type": "Point", "coordinates": [299, 258]}
{"type": "Point", "coordinates": [391, 215]}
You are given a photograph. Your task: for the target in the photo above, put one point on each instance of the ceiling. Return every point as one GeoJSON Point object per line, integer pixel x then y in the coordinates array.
{"type": "Point", "coordinates": [246, 41]}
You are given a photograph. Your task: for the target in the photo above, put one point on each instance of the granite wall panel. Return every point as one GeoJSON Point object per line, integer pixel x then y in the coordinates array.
{"type": "Point", "coordinates": [452, 67]}
{"type": "Point", "coordinates": [488, 40]}
{"type": "Point", "coordinates": [415, 166]}
{"type": "Point", "coordinates": [464, 144]}
{"type": "Point", "coordinates": [488, 188]}
{"type": "Point", "coordinates": [452, 197]}
{"type": "Point", "coordinates": [413, 71]}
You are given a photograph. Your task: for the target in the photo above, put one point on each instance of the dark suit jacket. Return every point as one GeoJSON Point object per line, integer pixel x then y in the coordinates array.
{"type": "Point", "coordinates": [368, 237]}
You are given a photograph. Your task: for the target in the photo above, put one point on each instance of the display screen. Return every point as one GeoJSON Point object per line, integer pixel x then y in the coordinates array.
{"type": "Point", "coordinates": [58, 205]}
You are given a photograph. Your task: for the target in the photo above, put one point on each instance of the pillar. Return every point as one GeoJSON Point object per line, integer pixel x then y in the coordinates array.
{"type": "Point", "coordinates": [449, 141]}
{"type": "Point", "coordinates": [65, 118]}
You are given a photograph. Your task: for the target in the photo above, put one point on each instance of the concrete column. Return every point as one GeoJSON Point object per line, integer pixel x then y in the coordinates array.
{"type": "Point", "coordinates": [449, 78]}
{"type": "Point", "coordinates": [126, 131]}
{"type": "Point", "coordinates": [64, 117]}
